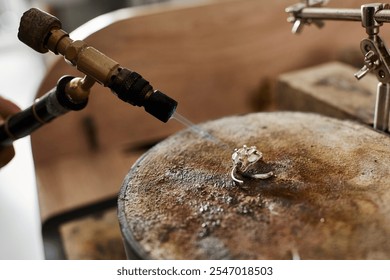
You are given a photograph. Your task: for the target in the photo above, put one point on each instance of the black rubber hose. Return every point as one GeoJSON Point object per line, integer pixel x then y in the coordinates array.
{"type": "Point", "coordinates": [53, 104]}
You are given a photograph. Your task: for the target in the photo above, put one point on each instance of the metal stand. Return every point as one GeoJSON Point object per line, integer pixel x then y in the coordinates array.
{"type": "Point", "coordinates": [376, 54]}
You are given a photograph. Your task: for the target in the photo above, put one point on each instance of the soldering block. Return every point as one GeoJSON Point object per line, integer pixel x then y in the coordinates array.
{"type": "Point", "coordinates": [329, 89]}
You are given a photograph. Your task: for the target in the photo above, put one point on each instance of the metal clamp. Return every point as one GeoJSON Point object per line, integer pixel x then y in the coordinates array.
{"type": "Point", "coordinates": [376, 55]}
{"type": "Point", "coordinates": [377, 61]}
{"type": "Point", "coordinates": [299, 22]}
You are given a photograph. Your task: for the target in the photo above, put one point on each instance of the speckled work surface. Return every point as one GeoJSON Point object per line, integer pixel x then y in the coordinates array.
{"type": "Point", "coordinates": [329, 198]}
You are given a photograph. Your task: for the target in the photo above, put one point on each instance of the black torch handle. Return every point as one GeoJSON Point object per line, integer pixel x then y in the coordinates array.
{"type": "Point", "coordinates": [53, 104]}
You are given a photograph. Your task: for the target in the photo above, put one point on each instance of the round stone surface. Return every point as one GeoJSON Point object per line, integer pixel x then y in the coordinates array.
{"type": "Point", "coordinates": [329, 197]}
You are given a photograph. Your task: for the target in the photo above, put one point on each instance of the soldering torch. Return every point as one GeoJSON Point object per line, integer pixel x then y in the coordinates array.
{"type": "Point", "coordinates": [42, 32]}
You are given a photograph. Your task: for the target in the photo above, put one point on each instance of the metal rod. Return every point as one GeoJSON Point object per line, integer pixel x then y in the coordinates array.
{"type": "Point", "coordinates": [382, 107]}
{"type": "Point", "coordinates": [331, 13]}
{"type": "Point", "coordinates": [340, 14]}
{"type": "Point", "coordinates": [383, 16]}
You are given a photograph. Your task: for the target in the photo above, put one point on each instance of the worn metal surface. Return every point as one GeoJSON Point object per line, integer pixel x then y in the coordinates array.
{"type": "Point", "coordinates": [329, 198]}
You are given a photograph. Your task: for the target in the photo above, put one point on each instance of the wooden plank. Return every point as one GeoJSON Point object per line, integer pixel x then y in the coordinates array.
{"type": "Point", "coordinates": [77, 180]}
{"type": "Point", "coordinates": [96, 237]}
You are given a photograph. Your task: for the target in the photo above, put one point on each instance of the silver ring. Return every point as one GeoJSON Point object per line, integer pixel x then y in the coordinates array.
{"type": "Point", "coordinates": [243, 158]}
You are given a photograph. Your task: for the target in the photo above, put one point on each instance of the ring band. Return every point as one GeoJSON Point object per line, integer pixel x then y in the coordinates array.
{"type": "Point", "coordinates": [233, 175]}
